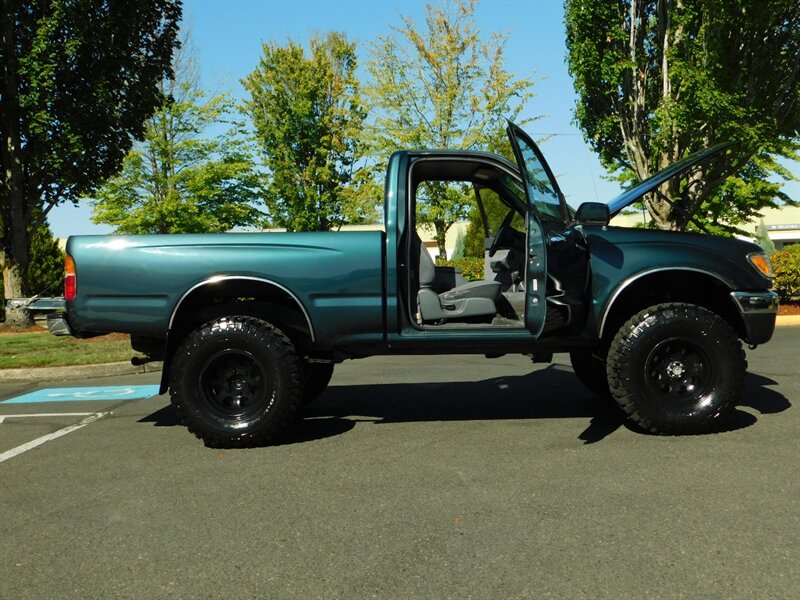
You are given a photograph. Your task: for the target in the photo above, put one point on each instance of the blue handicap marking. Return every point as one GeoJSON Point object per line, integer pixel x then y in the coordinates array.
{"type": "Point", "coordinates": [114, 392]}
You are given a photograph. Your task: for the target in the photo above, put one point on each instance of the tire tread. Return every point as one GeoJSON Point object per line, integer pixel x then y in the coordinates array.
{"type": "Point", "coordinates": [283, 351]}
{"type": "Point", "coordinates": [622, 349]}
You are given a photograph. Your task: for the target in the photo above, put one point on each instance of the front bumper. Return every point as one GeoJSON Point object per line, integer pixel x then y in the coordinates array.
{"type": "Point", "coordinates": [758, 310]}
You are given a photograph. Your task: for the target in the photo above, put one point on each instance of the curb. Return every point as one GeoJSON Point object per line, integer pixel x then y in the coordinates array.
{"type": "Point", "coordinates": [784, 320]}
{"type": "Point", "coordinates": [78, 371]}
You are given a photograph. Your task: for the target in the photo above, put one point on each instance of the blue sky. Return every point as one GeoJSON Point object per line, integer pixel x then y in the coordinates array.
{"type": "Point", "coordinates": [227, 35]}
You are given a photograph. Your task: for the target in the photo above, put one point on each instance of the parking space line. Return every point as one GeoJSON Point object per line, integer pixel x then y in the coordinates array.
{"type": "Point", "coordinates": [91, 418]}
{"type": "Point", "coordinates": [84, 414]}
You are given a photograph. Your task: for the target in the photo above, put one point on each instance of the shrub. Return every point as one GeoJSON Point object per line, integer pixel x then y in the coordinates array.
{"type": "Point", "coordinates": [471, 267]}
{"type": "Point", "coordinates": [786, 265]}
{"type": "Point", "coordinates": [46, 266]}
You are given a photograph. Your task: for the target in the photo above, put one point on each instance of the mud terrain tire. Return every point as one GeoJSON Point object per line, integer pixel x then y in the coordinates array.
{"type": "Point", "coordinates": [676, 369]}
{"type": "Point", "coordinates": [235, 382]}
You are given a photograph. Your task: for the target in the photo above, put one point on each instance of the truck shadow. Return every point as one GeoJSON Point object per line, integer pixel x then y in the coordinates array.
{"type": "Point", "coordinates": [550, 393]}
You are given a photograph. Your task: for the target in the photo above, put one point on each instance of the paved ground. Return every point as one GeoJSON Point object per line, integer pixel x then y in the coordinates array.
{"type": "Point", "coordinates": [453, 477]}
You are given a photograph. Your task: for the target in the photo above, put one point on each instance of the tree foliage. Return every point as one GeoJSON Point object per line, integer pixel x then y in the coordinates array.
{"type": "Point", "coordinates": [495, 211]}
{"type": "Point", "coordinates": [442, 87]}
{"type": "Point", "coordinates": [786, 266]}
{"type": "Point", "coordinates": [46, 267]}
{"type": "Point", "coordinates": [763, 239]}
{"type": "Point", "coordinates": [181, 178]}
{"type": "Point", "coordinates": [308, 114]}
{"type": "Point", "coordinates": [45, 275]}
{"type": "Point", "coordinates": [77, 79]}
{"type": "Point", "coordinates": [658, 79]}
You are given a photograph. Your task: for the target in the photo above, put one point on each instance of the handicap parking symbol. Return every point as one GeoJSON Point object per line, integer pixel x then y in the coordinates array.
{"type": "Point", "coordinates": [107, 393]}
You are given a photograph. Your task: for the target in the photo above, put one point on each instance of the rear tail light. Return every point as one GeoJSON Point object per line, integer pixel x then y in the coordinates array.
{"type": "Point", "coordinates": [70, 279]}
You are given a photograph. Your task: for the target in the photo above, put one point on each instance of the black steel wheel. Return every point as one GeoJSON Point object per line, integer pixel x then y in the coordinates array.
{"type": "Point", "coordinates": [676, 368]}
{"type": "Point", "coordinates": [233, 385]}
{"type": "Point", "coordinates": [235, 382]}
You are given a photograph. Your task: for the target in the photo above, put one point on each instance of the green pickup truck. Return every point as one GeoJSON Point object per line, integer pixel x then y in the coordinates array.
{"type": "Point", "coordinates": [250, 325]}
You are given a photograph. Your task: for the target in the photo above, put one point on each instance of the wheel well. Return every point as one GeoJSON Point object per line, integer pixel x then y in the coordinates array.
{"type": "Point", "coordinates": [672, 286]}
{"type": "Point", "coordinates": [247, 297]}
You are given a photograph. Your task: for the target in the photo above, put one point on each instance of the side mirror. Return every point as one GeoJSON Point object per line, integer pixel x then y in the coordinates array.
{"type": "Point", "coordinates": [593, 213]}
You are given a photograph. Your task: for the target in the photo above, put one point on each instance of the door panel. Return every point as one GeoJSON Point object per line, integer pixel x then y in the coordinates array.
{"type": "Point", "coordinates": [544, 201]}
{"type": "Point", "coordinates": [535, 277]}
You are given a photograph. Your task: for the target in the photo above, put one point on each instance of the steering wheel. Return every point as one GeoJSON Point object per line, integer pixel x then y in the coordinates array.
{"type": "Point", "coordinates": [502, 232]}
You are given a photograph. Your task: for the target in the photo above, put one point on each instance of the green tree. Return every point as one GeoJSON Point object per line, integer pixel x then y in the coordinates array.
{"type": "Point", "coordinates": [77, 79]}
{"type": "Point", "coordinates": [763, 239]}
{"type": "Point", "coordinates": [45, 275]}
{"type": "Point", "coordinates": [495, 211]}
{"type": "Point", "coordinates": [180, 178]}
{"type": "Point", "coordinates": [443, 87]}
{"type": "Point", "coordinates": [46, 267]}
{"type": "Point", "coordinates": [308, 113]}
{"type": "Point", "coordinates": [658, 79]}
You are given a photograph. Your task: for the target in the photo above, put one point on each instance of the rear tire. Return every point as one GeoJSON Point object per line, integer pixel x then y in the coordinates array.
{"type": "Point", "coordinates": [235, 382]}
{"type": "Point", "coordinates": [676, 369]}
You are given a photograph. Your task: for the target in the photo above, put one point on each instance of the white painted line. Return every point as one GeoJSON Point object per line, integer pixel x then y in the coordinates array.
{"type": "Point", "coordinates": [49, 415]}
{"type": "Point", "coordinates": [4, 417]}
{"type": "Point", "coordinates": [50, 436]}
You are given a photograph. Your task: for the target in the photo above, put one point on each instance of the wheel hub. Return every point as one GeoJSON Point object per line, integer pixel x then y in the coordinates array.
{"type": "Point", "coordinates": [234, 384]}
{"type": "Point", "coordinates": [677, 369]}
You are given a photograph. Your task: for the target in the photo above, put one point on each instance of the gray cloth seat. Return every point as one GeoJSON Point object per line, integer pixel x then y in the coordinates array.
{"type": "Point", "coordinates": [465, 300]}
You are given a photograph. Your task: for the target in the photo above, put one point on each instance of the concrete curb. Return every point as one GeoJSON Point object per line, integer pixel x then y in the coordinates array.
{"type": "Point", "coordinates": [77, 372]}
{"type": "Point", "coordinates": [125, 368]}
{"type": "Point", "coordinates": [787, 320]}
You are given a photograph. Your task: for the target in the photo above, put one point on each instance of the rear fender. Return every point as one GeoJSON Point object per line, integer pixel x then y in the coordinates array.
{"type": "Point", "coordinates": [221, 296]}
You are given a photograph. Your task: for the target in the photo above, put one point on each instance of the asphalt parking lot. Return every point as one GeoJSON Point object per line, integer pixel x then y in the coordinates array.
{"type": "Point", "coordinates": [411, 477]}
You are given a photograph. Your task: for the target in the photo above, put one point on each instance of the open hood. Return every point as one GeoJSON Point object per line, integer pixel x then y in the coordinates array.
{"type": "Point", "coordinates": [640, 189]}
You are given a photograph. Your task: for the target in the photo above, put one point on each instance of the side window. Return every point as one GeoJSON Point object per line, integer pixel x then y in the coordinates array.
{"type": "Point", "coordinates": [496, 210]}
{"type": "Point", "coordinates": [544, 197]}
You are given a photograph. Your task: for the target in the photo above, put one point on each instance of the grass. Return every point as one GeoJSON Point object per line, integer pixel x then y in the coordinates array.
{"type": "Point", "coordinates": [41, 349]}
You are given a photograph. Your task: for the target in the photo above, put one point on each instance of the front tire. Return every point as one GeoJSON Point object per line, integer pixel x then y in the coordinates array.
{"type": "Point", "coordinates": [235, 382]}
{"type": "Point", "coordinates": [676, 369]}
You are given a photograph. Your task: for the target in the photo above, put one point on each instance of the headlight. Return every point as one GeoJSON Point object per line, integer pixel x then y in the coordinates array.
{"type": "Point", "coordinates": [760, 261]}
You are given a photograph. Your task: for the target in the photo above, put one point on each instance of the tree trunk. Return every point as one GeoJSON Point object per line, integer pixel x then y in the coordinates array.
{"type": "Point", "coordinates": [441, 239]}
{"type": "Point", "coordinates": [14, 242]}
{"type": "Point", "coordinates": [12, 288]}
{"type": "Point", "coordinates": [660, 210]}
